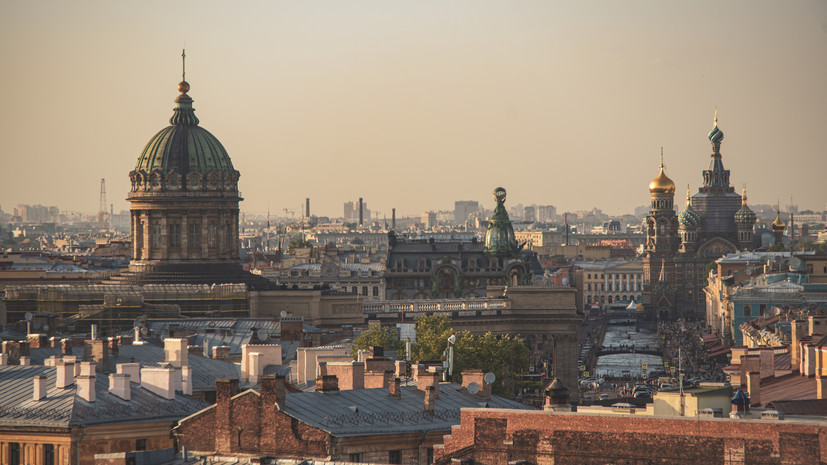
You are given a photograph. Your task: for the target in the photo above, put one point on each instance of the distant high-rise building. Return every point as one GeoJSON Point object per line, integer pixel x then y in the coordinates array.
{"type": "Point", "coordinates": [464, 208]}
{"type": "Point", "coordinates": [530, 214]}
{"type": "Point", "coordinates": [428, 220]}
{"type": "Point", "coordinates": [351, 212]}
{"type": "Point", "coordinates": [546, 213]}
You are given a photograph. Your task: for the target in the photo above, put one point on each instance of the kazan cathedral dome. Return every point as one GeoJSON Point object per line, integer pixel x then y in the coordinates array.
{"type": "Point", "coordinates": [184, 206]}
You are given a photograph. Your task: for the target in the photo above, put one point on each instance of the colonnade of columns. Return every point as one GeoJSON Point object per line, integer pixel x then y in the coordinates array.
{"type": "Point", "coordinates": [32, 452]}
{"type": "Point", "coordinates": [184, 234]}
{"type": "Point", "coordinates": [621, 282]}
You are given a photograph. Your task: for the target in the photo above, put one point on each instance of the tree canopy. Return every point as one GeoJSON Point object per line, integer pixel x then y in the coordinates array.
{"type": "Point", "coordinates": [378, 336]}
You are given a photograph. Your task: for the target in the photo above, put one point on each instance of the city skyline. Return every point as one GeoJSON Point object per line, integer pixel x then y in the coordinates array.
{"type": "Point", "coordinates": [565, 105]}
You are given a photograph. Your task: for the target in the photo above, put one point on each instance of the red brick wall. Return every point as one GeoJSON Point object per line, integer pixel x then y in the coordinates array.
{"type": "Point", "coordinates": [251, 423]}
{"type": "Point", "coordinates": [497, 437]}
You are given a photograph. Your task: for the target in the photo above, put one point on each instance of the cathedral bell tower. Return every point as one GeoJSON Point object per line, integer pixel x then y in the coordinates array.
{"type": "Point", "coordinates": [662, 243]}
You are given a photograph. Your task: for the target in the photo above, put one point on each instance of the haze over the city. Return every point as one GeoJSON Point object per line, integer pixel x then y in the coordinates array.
{"type": "Point", "coordinates": [413, 105]}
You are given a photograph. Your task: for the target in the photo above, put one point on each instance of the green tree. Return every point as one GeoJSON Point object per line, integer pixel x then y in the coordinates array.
{"type": "Point", "coordinates": [378, 336]}
{"type": "Point", "coordinates": [432, 333]}
{"type": "Point", "coordinates": [506, 356]}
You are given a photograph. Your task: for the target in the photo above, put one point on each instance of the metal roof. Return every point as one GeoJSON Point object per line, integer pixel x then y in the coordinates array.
{"type": "Point", "coordinates": [372, 411]}
{"type": "Point", "coordinates": [204, 370]}
{"type": "Point", "coordinates": [63, 408]}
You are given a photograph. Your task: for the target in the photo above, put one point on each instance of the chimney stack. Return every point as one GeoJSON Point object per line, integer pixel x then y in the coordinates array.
{"type": "Point", "coordinates": [327, 383]}
{"type": "Point", "coordinates": [221, 353]}
{"type": "Point", "coordinates": [113, 346]}
{"type": "Point", "coordinates": [175, 351]}
{"type": "Point", "coordinates": [39, 387]}
{"type": "Point", "coordinates": [65, 374]}
{"type": "Point", "coordinates": [131, 369]}
{"type": "Point", "coordinates": [94, 332]}
{"type": "Point", "coordinates": [393, 218]}
{"type": "Point", "coordinates": [25, 360]}
{"type": "Point", "coordinates": [86, 381]}
{"type": "Point", "coordinates": [361, 212]}
{"type": "Point", "coordinates": [120, 385]}
{"type": "Point", "coordinates": [307, 207]}
{"type": "Point", "coordinates": [186, 380]}
{"type": "Point", "coordinates": [160, 381]}
{"type": "Point", "coordinates": [395, 389]}
{"type": "Point", "coordinates": [430, 398]}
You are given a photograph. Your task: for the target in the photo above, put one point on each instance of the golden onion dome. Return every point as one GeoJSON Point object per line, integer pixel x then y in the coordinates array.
{"type": "Point", "coordinates": [778, 224]}
{"type": "Point", "coordinates": [662, 184]}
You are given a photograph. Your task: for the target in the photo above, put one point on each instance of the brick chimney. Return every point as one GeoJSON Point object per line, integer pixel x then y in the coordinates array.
{"type": "Point", "coordinates": [430, 398]}
{"type": "Point", "coordinates": [428, 379]}
{"type": "Point", "coordinates": [65, 374]}
{"type": "Point", "coordinates": [327, 383]}
{"type": "Point", "coordinates": [66, 346]}
{"type": "Point", "coordinates": [225, 435]}
{"type": "Point", "coordinates": [4, 359]}
{"type": "Point", "coordinates": [37, 341]}
{"type": "Point", "coordinates": [131, 369]}
{"type": "Point", "coordinates": [175, 351]}
{"type": "Point", "coordinates": [39, 387]}
{"type": "Point", "coordinates": [86, 381]}
{"type": "Point", "coordinates": [395, 389]}
{"type": "Point", "coordinates": [113, 346]}
{"type": "Point", "coordinates": [221, 353]}
{"type": "Point", "coordinates": [160, 381]}
{"type": "Point", "coordinates": [120, 386]}
{"type": "Point", "coordinates": [556, 397]}
{"type": "Point", "coordinates": [96, 351]}
{"type": "Point", "coordinates": [25, 360]}
{"type": "Point", "coordinates": [400, 369]}
{"type": "Point", "coordinates": [476, 376]}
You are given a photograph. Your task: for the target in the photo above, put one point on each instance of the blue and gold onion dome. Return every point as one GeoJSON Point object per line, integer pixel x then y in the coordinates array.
{"type": "Point", "coordinates": [183, 146]}
{"type": "Point", "coordinates": [499, 238]}
{"type": "Point", "coordinates": [716, 135]}
{"type": "Point", "coordinates": [689, 218]}
{"type": "Point", "coordinates": [745, 217]}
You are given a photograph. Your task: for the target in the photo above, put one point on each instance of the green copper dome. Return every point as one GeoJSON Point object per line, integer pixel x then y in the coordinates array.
{"type": "Point", "coordinates": [689, 218]}
{"type": "Point", "coordinates": [499, 238]}
{"type": "Point", "coordinates": [744, 217]}
{"type": "Point", "coordinates": [716, 135]}
{"type": "Point", "coordinates": [184, 156]}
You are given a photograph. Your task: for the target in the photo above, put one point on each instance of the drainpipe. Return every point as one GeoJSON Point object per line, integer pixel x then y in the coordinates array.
{"type": "Point", "coordinates": [77, 447]}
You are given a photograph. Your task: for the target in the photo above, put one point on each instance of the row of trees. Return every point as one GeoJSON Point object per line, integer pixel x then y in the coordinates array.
{"type": "Point", "coordinates": [506, 356]}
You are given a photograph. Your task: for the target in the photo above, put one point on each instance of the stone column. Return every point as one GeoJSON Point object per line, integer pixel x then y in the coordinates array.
{"type": "Point", "coordinates": [184, 236]}
{"type": "Point", "coordinates": [147, 236]}
{"type": "Point", "coordinates": [605, 284]}
{"type": "Point", "coordinates": [614, 285]}
{"type": "Point", "coordinates": [164, 237]}
{"type": "Point", "coordinates": [636, 282]}
{"type": "Point", "coordinates": [221, 231]}
{"type": "Point", "coordinates": [205, 239]}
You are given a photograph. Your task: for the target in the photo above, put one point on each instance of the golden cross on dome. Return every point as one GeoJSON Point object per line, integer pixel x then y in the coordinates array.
{"type": "Point", "coordinates": [184, 65]}
{"type": "Point", "coordinates": [716, 116]}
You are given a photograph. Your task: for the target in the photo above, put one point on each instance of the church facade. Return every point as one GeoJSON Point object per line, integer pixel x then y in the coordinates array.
{"type": "Point", "coordinates": [714, 222]}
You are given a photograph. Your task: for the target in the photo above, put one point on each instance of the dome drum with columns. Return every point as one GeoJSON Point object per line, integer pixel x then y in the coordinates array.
{"type": "Point", "coordinates": [184, 206]}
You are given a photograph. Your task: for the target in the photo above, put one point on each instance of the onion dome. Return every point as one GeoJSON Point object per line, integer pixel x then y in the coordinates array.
{"type": "Point", "coordinates": [778, 225]}
{"type": "Point", "coordinates": [716, 135]}
{"type": "Point", "coordinates": [499, 238]}
{"type": "Point", "coordinates": [689, 218]}
{"type": "Point", "coordinates": [745, 217]}
{"type": "Point", "coordinates": [662, 184]}
{"type": "Point", "coordinates": [183, 155]}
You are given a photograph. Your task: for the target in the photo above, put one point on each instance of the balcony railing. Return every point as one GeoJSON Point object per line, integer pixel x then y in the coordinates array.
{"type": "Point", "coordinates": [442, 305]}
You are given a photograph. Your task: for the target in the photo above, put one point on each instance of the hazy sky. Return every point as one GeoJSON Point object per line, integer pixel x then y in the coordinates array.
{"type": "Point", "coordinates": [417, 104]}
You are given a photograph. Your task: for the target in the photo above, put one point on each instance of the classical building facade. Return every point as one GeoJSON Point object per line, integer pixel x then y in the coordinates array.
{"type": "Point", "coordinates": [425, 269]}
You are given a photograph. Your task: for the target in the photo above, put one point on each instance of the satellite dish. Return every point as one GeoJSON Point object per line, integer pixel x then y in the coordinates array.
{"type": "Point", "coordinates": [36, 324]}
{"type": "Point", "coordinates": [283, 314]}
{"type": "Point", "coordinates": [490, 378]}
{"type": "Point", "coordinates": [796, 264]}
{"type": "Point", "coordinates": [28, 316]}
{"type": "Point", "coordinates": [262, 335]}
{"type": "Point", "coordinates": [473, 388]}
{"type": "Point", "coordinates": [144, 331]}
{"type": "Point", "coordinates": [45, 327]}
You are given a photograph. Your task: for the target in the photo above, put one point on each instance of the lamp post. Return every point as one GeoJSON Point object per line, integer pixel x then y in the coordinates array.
{"type": "Point", "coordinates": [451, 341]}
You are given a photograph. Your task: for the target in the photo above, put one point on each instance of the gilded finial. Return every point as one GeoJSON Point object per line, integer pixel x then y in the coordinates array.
{"type": "Point", "coordinates": [183, 86]}
{"type": "Point", "coordinates": [744, 194]}
{"type": "Point", "coordinates": [716, 116]}
{"type": "Point", "coordinates": [688, 197]}
{"type": "Point", "coordinates": [661, 157]}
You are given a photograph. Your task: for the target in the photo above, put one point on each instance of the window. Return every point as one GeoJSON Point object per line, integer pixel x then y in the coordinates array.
{"type": "Point", "coordinates": [194, 235]}
{"type": "Point", "coordinates": [174, 235]}
{"type": "Point", "coordinates": [763, 309]}
{"type": "Point", "coordinates": [140, 444]}
{"type": "Point", "coordinates": [589, 286]}
{"type": "Point", "coordinates": [747, 310]}
{"type": "Point", "coordinates": [364, 290]}
{"type": "Point", "coordinates": [394, 456]}
{"type": "Point", "coordinates": [156, 234]}
{"type": "Point", "coordinates": [48, 454]}
{"type": "Point", "coordinates": [589, 276]}
{"type": "Point", "coordinates": [375, 291]}
{"type": "Point", "coordinates": [430, 455]}
{"type": "Point", "coordinates": [212, 238]}
{"type": "Point", "coordinates": [356, 458]}
{"type": "Point", "coordinates": [14, 453]}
